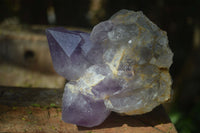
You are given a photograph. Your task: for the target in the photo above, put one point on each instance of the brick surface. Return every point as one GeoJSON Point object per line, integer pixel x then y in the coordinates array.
{"type": "Point", "coordinates": [48, 120]}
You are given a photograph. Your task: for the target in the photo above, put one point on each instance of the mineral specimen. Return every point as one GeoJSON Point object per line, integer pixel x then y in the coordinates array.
{"type": "Point", "coordinates": [121, 66]}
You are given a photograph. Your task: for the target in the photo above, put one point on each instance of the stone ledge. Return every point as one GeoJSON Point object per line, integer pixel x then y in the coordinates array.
{"type": "Point", "coordinates": [18, 114]}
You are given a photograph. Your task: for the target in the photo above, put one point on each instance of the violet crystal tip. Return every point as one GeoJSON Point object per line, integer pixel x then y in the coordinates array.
{"type": "Point", "coordinates": [66, 52]}
{"type": "Point", "coordinates": [122, 66]}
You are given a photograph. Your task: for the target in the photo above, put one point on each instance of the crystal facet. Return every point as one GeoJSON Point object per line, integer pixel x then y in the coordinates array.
{"type": "Point", "coordinates": [122, 66]}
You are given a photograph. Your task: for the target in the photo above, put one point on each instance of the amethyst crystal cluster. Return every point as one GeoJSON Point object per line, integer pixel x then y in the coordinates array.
{"type": "Point", "coordinates": [121, 66]}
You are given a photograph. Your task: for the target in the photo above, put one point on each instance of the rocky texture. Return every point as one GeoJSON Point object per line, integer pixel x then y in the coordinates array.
{"type": "Point", "coordinates": [47, 120]}
{"type": "Point", "coordinates": [121, 66]}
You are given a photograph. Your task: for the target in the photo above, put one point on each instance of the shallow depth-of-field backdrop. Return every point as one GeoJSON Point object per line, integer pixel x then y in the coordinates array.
{"type": "Point", "coordinates": [180, 18]}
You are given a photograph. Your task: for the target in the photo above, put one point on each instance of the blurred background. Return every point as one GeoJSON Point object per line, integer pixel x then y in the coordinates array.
{"type": "Point", "coordinates": [25, 60]}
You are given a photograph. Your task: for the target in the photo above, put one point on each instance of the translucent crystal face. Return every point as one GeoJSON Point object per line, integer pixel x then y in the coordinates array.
{"type": "Point", "coordinates": [121, 66]}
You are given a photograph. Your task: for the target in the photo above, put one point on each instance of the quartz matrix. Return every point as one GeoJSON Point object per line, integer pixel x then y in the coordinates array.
{"type": "Point", "coordinates": [121, 66]}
